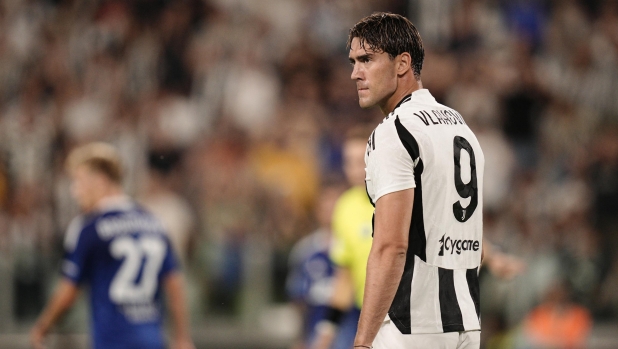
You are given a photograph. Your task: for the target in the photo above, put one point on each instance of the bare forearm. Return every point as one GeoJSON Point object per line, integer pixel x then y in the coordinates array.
{"type": "Point", "coordinates": [178, 306]}
{"type": "Point", "coordinates": [342, 300]}
{"type": "Point", "coordinates": [61, 301]}
{"type": "Point", "coordinates": [343, 292]}
{"type": "Point", "coordinates": [384, 269]}
{"type": "Point", "coordinates": [386, 262]}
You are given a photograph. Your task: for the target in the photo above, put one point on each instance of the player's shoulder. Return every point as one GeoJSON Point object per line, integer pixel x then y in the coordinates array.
{"type": "Point", "coordinates": [352, 195]}
{"type": "Point", "coordinates": [315, 243]}
{"type": "Point", "coordinates": [87, 226]}
{"type": "Point", "coordinates": [422, 112]}
{"type": "Point", "coordinates": [81, 225]}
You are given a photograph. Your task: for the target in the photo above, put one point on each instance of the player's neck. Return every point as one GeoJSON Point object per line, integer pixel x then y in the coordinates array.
{"type": "Point", "coordinates": [407, 88]}
{"type": "Point", "coordinates": [111, 197]}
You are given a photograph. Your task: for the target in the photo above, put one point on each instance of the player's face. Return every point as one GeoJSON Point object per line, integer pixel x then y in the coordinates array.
{"type": "Point", "coordinates": [375, 74]}
{"type": "Point", "coordinates": [84, 184]}
{"type": "Point", "coordinates": [354, 161]}
{"type": "Point", "coordinates": [326, 206]}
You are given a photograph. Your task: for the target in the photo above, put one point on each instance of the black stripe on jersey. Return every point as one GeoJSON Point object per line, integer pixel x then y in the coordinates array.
{"type": "Point", "coordinates": [472, 277]}
{"type": "Point", "coordinates": [452, 320]}
{"type": "Point", "coordinates": [399, 311]}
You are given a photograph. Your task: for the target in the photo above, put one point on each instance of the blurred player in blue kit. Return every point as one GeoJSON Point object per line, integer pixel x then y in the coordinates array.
{"type": "Point", "coordinates": [310, 282]}
{"type": "Point", "coordinates": [123, 254]}
{"type": "Point", "coordinates": [350, 246]}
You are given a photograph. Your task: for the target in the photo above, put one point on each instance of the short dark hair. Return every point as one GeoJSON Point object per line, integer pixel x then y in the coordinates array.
{"type": "Point", "coordinates": [99, 157]}
{"type": "Point", "coordinates": [390, 33]}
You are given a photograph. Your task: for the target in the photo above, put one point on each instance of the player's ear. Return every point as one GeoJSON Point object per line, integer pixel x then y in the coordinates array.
{"type": "Point", "coordinates": [404, 63]}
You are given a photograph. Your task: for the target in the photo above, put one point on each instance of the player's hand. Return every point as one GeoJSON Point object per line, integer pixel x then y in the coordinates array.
{"type": "Point", "coordinates": [322, 341]}
{"type": "Point", "coordinates": [324, 337]}
{"type": "Point", "coordinates": [505, 266]}
{"type": "Point", "coordinates": [183, 343]}
{"type": "Point", "coordinates": [37, 334]}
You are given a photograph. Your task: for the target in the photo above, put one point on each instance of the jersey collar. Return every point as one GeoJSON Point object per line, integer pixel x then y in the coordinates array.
{"type": "Point", "coordinates": [420, 94]}
{"type": "Point", "coordinates": [402, 101]}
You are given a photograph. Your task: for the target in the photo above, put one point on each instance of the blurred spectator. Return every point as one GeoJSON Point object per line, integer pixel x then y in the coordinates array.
{"type": "Point", "coordinates": [30, 241]}
{"type": "Point", "coordinates": [604, 179]}
{"type": "Point", "coordinates": [172, 209]}
{"type": "Point", "coordinates": [557, 322]}
{"type": "Point", "coordinates": [28, 133]}
{"type": "Point", "coordinates": [522, 108]}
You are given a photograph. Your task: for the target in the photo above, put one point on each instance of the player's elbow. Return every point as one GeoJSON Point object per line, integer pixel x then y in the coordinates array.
{"type": "Point", "coordinates": [392, 248]}
{"type": "Point", "coordinates": [399, 250]}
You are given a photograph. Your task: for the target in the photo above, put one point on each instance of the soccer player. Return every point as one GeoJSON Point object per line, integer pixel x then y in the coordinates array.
{"type": "Point", "coordinates": [309, 283]}
{"type": "Point", "coordinates": [350, 248]}
{"type": "Point", "coordinates": [424, 174]}
{"type": "Point", "coordinates": [123, 254]}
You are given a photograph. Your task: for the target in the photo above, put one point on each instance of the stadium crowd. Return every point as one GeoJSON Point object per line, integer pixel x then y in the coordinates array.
{"type": "Point", "coordinates": [230, 115]}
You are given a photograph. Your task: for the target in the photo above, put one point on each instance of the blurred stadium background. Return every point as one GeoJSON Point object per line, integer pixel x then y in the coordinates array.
{"type": "Point", "coordinates": [230, 115]}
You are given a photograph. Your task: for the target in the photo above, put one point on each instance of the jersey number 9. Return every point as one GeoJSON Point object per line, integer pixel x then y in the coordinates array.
{"type": "Point", "coordinates": [465, 190]}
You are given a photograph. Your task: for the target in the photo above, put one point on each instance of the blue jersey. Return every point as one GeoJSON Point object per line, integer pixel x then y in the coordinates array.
{"type": "Point", "coordinates": [311, 278]}
{"type": "Point", "coordinates": [123, 254]}
{"type": "Point", "coordinates": [310, 282]}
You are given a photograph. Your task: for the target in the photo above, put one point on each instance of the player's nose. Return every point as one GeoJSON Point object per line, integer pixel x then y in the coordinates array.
{"type": "Point", "coordinates": [356, 73]}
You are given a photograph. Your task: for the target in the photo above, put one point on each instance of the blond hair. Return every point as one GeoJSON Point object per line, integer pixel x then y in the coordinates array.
{"type": "Point", "coordinates": [99, 157]}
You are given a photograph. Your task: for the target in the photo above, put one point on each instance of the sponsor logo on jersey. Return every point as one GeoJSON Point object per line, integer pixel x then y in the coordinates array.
{"type": "Point", "coordinates": [457, 246]}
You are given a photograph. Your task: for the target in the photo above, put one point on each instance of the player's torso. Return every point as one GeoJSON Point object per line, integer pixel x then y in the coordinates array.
{"type": "Point", "coordinates": [125, 277]}
{"type": "Point", "coordinates": [450, 163]}
{"type": "Point", "coordinates": [317, 272]}
{"type": "Point", "coordinates": [355, 214]}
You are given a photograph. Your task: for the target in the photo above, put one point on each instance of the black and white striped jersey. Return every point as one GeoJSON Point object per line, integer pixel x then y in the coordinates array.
{"type": "Point", "coordinates": [428, 146]}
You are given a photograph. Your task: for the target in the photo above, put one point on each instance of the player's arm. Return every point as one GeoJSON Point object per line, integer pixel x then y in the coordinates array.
{"type": "Point", "coordinates": [386, 262]}
{"type": "Point", "coordinates": [502, 265]}
{"type": "Point", "coordinates": [61, 301]}
{"type": "Point", "coordinates": [174, 289]}
{"type": "Point", "coordinates": [340, 302]}
{"type": "Point", "coordinates": [343, 290]}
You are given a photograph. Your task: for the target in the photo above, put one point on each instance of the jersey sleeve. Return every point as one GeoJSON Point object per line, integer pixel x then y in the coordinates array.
{"type": "Point", "coordinates": [339, 250]}
{"type": "Point", "coordinates": [392, 166]}
{"type": "Point", "coordinates": [78, 249]}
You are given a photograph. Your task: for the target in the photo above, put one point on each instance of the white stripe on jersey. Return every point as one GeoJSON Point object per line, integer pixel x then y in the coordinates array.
{"type": "Point", "coordinates": [424, 303]}
{"type": "Point", "coordinates": [466, 304]}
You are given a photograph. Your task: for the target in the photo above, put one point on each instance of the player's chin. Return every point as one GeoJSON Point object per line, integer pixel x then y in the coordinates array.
{"type": "Point", "coordinates": [365, 103]}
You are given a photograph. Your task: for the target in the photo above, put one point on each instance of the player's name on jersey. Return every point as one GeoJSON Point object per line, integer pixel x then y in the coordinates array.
{"type": "Point", "coordinates": [440, 117]}
{"type": "Point", "coordinates": [109, 227]}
